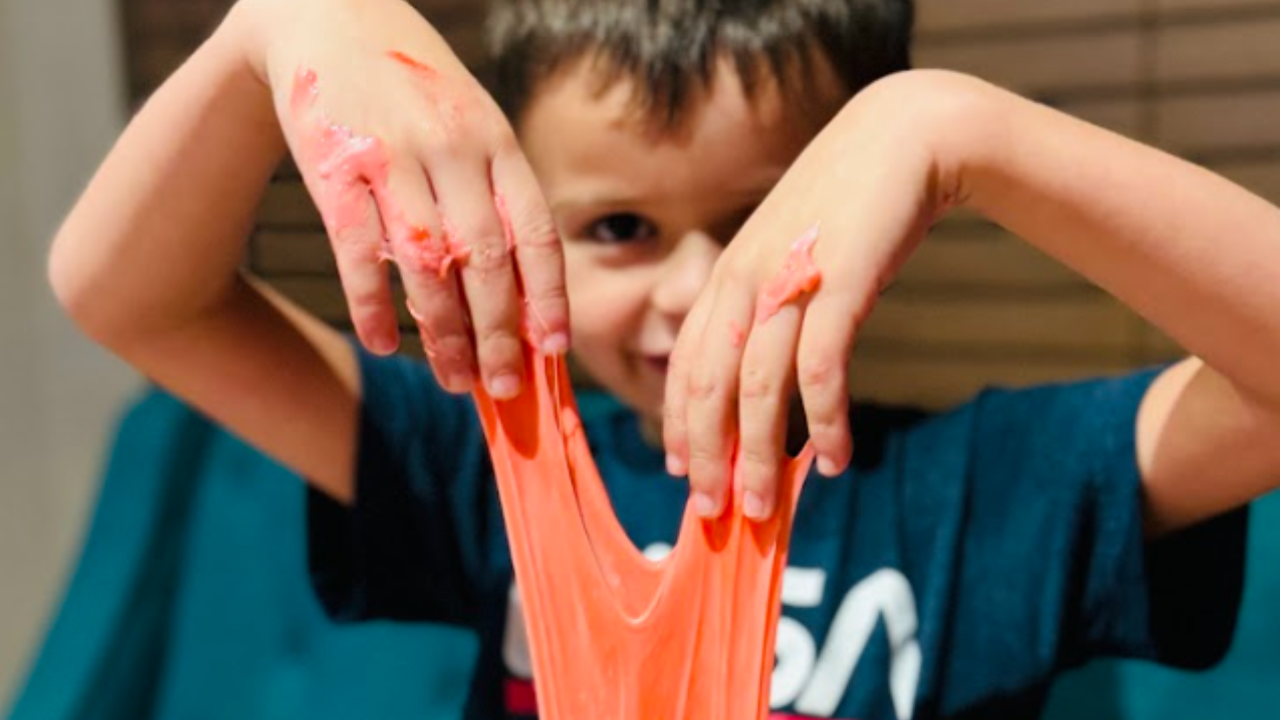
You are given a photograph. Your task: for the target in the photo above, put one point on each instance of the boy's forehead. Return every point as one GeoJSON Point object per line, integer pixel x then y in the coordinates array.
{"type": "Point", "coordinates": [594, 146]}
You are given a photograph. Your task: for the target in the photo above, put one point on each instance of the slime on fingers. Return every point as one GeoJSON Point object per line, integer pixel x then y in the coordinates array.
{"type": "Point", "coordinates": [504, 215]}
{"type": "Point", "coordinates": [347, 169]}
{"type": "Point", "coordinates": [422, 70]}
{"type": "Point", "coordinates": [799, 275]}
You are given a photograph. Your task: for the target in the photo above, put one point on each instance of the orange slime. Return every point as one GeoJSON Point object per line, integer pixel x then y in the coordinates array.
{"type": "Point", "coordinates": [798, 276]}
{"type": "Point", "coordinates": [612, 634]}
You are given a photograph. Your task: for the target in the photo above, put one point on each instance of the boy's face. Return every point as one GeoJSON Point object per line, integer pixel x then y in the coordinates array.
{"type": "Point", "coordinates": [644, 214]}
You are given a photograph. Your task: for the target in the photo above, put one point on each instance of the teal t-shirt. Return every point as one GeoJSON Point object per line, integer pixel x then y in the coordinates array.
{"type": "Point", "coordinates": [961, 563]}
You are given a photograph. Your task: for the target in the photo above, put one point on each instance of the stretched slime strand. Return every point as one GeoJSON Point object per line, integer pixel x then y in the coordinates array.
{"type": "Point", "coordinates": [613, 634]}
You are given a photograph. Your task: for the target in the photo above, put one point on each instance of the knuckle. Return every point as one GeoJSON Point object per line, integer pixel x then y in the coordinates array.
{"type": "Point", "coordinates": [673, 415]}
{"type": "Point", "coordinates": [759, 460]}
{"type": "Point", "coordinates": [820, 371]}
{"type": "Point", "coordinates": [536, 231]}
{"type": "Point", "coordinates": [757, 386]}
{"type": "Point", "coordinates": [732, 270]}
{"type": "Point", "coordinates": [705, 473]}
{"type": "Point", "coordinates": [497, 341]}
{"type": "Point", "coordinates": [551, 301]}
{"type": "Point", "coordinates": [704, 448]}
{"type": "Point", "coordinates": [367, 304]}
{"type": "Point", "coordinates": [352, 247]}
{"type": "Point", "coordinates": [489, 257]}
{"type": "Point", "coordinates": [441, 140]}
{"type": "Point", "coordinates": [502, 138]}
{"type": "Point", "coordinates": [826, 429]}
{"type": "Point", "coordinates": [448, 346]}
{"type": "Point", "coordinates": [705, 386]}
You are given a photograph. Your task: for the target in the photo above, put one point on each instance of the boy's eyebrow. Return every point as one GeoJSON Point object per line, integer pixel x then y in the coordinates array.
{"type": "Point", "coordinates": [752, 194]}
{"type": "Point", "coordinates": [601, 200]}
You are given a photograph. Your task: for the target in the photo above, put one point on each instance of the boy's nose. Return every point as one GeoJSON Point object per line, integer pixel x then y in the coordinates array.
{"type": "Point", "coordinates": [685, 272]}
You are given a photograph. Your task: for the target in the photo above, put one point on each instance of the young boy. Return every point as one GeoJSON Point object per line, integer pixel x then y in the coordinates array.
{"type": "Point", "coordinates": [961, 561]}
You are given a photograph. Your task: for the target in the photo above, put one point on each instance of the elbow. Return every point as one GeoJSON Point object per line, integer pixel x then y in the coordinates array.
{"type": "Point", "coordinates": [64, 280]}
{"type": "Point", "coordinates": [79, 291]}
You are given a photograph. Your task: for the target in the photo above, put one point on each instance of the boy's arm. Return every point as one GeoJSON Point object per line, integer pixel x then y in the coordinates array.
{"type": "Point", "coordinates": [1191, 252]}
{"type": "Point", "coordinates": [147, 262]}
{"type": "Point", "coordinates": [1194, 254]}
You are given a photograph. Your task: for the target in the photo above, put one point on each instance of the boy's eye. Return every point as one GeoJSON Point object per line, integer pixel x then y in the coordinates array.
{"type": "Point", "coordinates": [621, 228]}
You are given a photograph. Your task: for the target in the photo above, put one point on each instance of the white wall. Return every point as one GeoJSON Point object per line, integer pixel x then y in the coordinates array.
{"type": "Point", "coordinates": [61, 104]}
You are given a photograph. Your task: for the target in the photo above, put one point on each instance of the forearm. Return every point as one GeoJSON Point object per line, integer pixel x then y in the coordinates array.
{"type": "Point", "coordinates": [1192, 253]}
{"type": "Point", "coordinates": [274, 375]}
{"type": "Point", "coordinates": [158, 235]}
{"type": "Point", "coordinates": [148, 263]}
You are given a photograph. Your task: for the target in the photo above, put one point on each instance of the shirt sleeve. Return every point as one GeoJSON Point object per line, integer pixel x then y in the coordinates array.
{"type": "Point", "coordinates": [412, 544]}
{"type": "Point", "coordinates": [1056, 467]}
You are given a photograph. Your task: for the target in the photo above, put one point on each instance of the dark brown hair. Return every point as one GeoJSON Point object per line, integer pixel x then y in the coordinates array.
{"type": "Point", "coordinates": [667, 47]}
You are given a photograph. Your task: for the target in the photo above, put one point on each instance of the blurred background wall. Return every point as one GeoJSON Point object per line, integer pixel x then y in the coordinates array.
{"type": "Point", "coordinates": [61, 105]}
{"type": "Point", "coordinates": [974, 307]}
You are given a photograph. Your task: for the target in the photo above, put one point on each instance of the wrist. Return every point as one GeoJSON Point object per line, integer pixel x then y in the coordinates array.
{"type": "Point", "coordinates": [245, 34]}
{"type": "Point", "coordinates": [952, 120]}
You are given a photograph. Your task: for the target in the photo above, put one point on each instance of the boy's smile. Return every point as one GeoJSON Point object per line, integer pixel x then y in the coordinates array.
{"type": "Point", "coordinates": [646, 210]}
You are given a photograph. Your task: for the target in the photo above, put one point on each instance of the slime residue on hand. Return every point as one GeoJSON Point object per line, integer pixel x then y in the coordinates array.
{"type": "Point", "coordinates": [424, 252]}
{"type": "Point", "coordinates": [504, 215]}
{"type": "Point", "coordinates": [448, 110]}
{"type": "Point", "coordinates": [422, 70]}
{"type": "Point", "coordinates": [305, 91]}
{"type": "Point", "coordinates": [343, 168]}
{"type": "Point", "coordinates": [737, 336]}
{"type": "Point", "coordinates": [799, 275]}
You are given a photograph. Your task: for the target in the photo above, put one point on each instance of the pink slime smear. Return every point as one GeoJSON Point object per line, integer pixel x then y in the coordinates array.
{"type": "Point", "coordinates": [422, 70]}
{"type": "Point", "coordinates": [348, 168]}
{"type": "Point", "coordinates": [450, 111]}
{"type": "Point", "coordinates": [737, 336]}
{"type": "Point", "coordinates": [798, 276]}
{"type": "Point", "coordinates": [504, 214]}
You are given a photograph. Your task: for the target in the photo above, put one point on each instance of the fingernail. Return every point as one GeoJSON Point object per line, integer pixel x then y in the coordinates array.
{"type": "Point", "coordinates": [753, 506]}
{"type": "Point", "coordinates": [705, 505]}
{"type": "Point", "coordinates": [826, 466]}
{"type": "Point", "coordinates": [675, 466]}
{"type": "Point", "coordinates": [385, 343]}
{"type": "Point", "coordinates": [504, 387]}
{"type": "Point", "coordinates": [555, 344]}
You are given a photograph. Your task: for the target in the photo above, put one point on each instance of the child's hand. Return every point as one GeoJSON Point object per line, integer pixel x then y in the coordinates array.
{"type": "Point", "coordinates": [410, 161]}
{"type": "Point", "coordinates": [785, 302]}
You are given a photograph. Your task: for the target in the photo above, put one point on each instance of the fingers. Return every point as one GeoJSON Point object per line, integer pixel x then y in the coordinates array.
{"type": "Point", "coordinates": [765, 385]}
{"type": "Point", "coordinates": [421, 251]}
{"type": "Point", "coordinates": [822, 372]}
{"type": "Point", "coordinates": [531, 232]}
{"type": "Point", "coordinates": [675, 406]}
{"type": "Point", "coordinates": [712, 395]}
{"type": "Point", "coordinates": [356, 235]}
{"type": "Point", "coordinates": [475, 235]}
